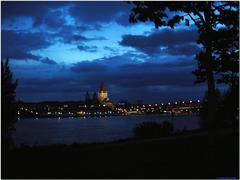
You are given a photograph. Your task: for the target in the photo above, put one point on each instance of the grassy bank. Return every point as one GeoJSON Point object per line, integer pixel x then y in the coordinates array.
{"type": "Point", "coordinates": [173, 157]}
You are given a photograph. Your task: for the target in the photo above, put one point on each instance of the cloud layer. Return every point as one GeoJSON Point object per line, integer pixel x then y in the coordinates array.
{"type": "Point", "coordinates": [60, 50]}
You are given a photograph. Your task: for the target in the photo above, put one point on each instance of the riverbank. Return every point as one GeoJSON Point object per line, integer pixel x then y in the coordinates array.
{"type": "Point", "coordinates": [182, 156]}
{"type": "Point", "coordinates": [89, 130]}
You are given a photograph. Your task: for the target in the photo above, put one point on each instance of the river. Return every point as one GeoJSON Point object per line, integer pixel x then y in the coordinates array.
{"type": "Point", "coordinates": [48, 131]}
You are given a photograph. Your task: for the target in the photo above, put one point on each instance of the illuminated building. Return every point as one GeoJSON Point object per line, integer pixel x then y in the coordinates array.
{"type": "Point", "coordinates": [103, 96]}
{"type": "Point", "coordinates": [102, 93]}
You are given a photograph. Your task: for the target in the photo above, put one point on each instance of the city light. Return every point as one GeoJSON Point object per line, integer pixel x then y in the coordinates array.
{"type": "Point", "coordinates": [180, 107]}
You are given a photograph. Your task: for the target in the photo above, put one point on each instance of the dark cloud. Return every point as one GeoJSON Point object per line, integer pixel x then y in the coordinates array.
{"type": "Point", "coordinates": [54, 19]}
{"type": "Point", "coordinates": [93, 12]}
{"type": "Point", "coordinates": [129, 74]}
{"type": "Point", "coordinates": [36, 10]}
{"type": "Point", "coordinates": [138, 77]}
{"type": "Point", "coordinates": [152, 74]}
{"type": "Point", "coordinates": [122, 19]}
{"type": "Point", "coordinates": [118, 60]}
{"type": "Point", "coordinates": [23, 9]}
{"type": "Point", "coordinates": [109, 49]}
{"type": "Point", "coordinates": [75, 39]}
{"type": "Point", "coordinates": [98, 38]}
{"type": "Point", "coordinates": [38, 89]}
{"type": "Point", "coordinates": [19, 45]}
{"type": "Point", "coordinates": [48, 61]}
{"type": "Point", "coordinates": [159, 66]}
{"type": "Point", "coordinates": [71, 35]}
{"type": "Point", "coordinates": [166, 41]}
{"type": "Point", "coordinates": [87, 48]}
{"type": "Point", "coordinates": [82, 28]}
{"type": "Point", "coordinates": [87, 12]}
{"type": "Point", "coordinates": [67, 34]}
{"type": "Point", "coordinates": [113, 51]}
{"type": "Point", "coordinates": [19, 55]}
{"type": "Point", "coordinates": [183, 49]}
{"type": "Point", "coordinates": [87, 66]}
{"type": "Point", "coordinates": [88, 15]}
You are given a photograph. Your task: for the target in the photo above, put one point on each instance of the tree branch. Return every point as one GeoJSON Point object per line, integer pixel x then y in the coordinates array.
{"type": "Point", "coordinates": [196, 23]}
{"type": "Point", "coordinates": [201, 17]}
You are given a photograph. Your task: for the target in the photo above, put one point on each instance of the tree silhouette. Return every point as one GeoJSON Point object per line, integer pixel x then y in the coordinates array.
{"type": "Point", "coordinates": [215, 21]}
{"type": "Point", "coordinates": [9, 107]}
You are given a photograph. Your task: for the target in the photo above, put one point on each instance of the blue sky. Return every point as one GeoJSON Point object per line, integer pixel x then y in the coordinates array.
{"type": "Point", "coordinates": [60, 50]}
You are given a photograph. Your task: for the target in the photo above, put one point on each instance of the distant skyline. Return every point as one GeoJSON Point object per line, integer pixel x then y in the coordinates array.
{"type": "Point", "coordinates": [60, 50]}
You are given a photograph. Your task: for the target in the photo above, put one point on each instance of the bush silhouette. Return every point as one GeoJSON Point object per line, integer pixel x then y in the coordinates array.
{"type": "Point", "coordinates": [153, 129]}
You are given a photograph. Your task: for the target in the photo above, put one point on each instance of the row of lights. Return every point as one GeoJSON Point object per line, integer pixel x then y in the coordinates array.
{"type": "Point", "coordinates": [169, 103]}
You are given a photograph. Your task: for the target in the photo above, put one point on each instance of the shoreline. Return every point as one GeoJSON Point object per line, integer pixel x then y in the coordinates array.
{"type": "Point", "coordinates": [124, 115]}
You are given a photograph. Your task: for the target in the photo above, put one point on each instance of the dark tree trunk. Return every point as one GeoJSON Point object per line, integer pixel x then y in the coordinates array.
{"type": "Point", "coordinates": [211, 117]}
{"type": "Point", "coordinates": [210, 69]}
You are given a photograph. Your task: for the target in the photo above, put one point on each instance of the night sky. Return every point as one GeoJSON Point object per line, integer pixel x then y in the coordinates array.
{"type": "Point", "coordinates": [60, 50]}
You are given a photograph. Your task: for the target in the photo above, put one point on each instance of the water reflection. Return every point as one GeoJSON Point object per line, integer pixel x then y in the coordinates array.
{"type": "Point", "coordinates": [89, 130]}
